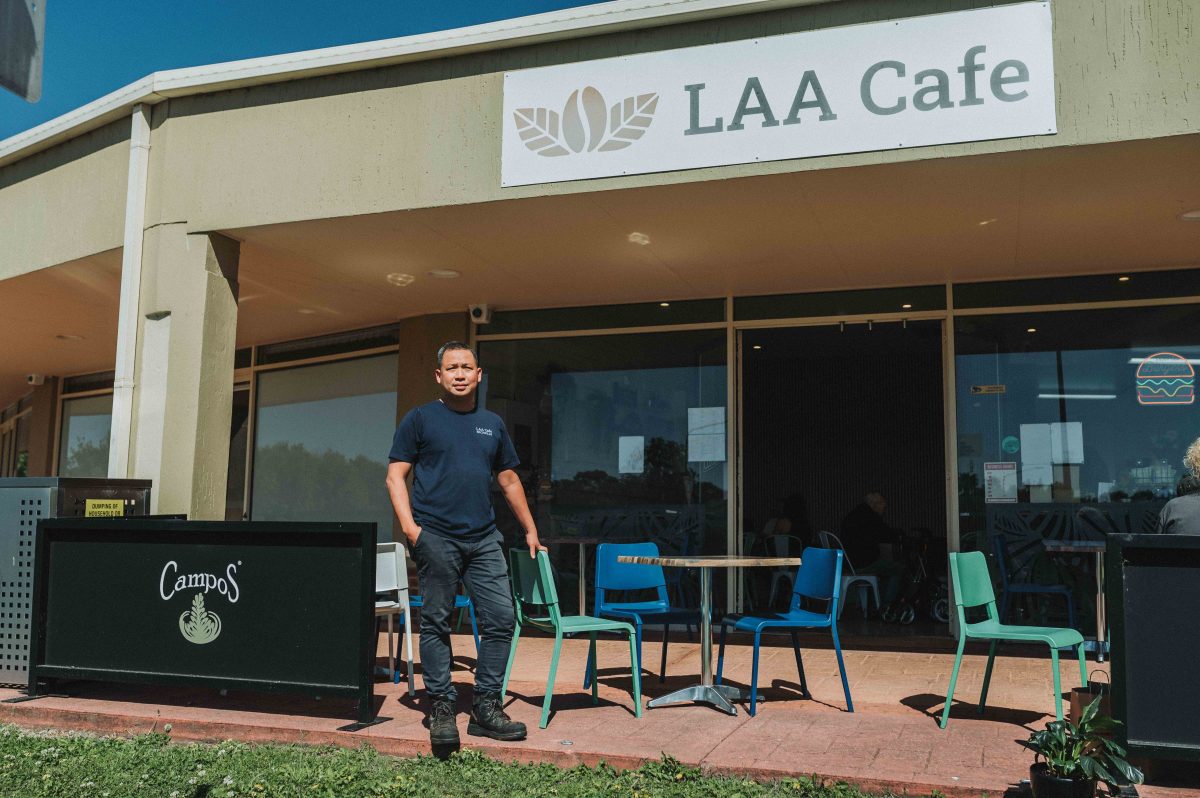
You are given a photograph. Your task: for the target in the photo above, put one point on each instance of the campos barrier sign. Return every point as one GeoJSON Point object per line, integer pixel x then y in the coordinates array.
{"type": "Point", "coordinates": [258, 606]}
{"type": "Point", "coordinates": [939, 79]}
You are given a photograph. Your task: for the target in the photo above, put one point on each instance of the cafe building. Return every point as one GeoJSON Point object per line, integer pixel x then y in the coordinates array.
{"type": "Point", "coordinates": [726, 264]}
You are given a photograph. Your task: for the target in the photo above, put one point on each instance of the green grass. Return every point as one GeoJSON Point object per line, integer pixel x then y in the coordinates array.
{"type": "Point", "coordinates": [77, 765]}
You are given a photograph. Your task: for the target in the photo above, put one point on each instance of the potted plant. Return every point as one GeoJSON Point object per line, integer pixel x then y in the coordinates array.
{"type": "Point", "coordinates": [1073, 757]}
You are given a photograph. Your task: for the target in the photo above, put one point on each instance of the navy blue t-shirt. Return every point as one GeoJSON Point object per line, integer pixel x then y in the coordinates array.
{"type": "Point", "coordinates": [454, 456]}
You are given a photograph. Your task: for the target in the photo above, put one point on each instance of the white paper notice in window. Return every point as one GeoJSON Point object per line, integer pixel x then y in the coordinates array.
{"type": "Point", "coordinates": [706, 434]}
{"type": "Point", "coordinates": [631, 454]}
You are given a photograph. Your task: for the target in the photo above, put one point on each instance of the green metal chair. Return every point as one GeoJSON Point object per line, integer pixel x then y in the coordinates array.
{"type": "Point", "coordinates": [973, 588]}
{"type": "Point", "coordinates": [533, 589]}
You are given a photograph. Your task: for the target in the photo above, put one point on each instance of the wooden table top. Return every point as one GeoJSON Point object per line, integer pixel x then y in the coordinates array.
{"type": "Point", "coordinates": [713, 561]}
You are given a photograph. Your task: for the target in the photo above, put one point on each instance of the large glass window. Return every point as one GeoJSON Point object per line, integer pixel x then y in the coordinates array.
{"type": "Point", "coordinates": [83, 441]}
{"type": "Point", "coordinates": [321, 440]}
{"type": "Point", "coordinates": [1071, 425]}
{"type": "Point", "coordinates": [621, 437]}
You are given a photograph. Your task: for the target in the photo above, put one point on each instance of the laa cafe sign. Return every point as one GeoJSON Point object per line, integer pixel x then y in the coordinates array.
{"type": "Point", "coordinates": [939, 79]}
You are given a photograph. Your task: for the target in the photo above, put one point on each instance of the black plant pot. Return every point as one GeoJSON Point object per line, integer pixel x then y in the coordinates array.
{"type": "Point", "coordinates": [1047, 786]}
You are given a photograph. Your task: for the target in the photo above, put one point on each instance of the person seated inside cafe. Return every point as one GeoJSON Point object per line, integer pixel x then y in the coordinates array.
{"type": "Point", "coordinates": [1181, 515]}
{"type": "Point", "coordinates": [793, 520]}
{"type": "Point", "coordinates": [864, 532]}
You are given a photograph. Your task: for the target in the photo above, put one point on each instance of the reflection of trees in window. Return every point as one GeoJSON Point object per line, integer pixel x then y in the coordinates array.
{"type": "Point", "coordinates": [86, 459]}
{"type": "Point", "coordinates": [666, 480]}
{"type": "Point", "coordinates": [292, 483]}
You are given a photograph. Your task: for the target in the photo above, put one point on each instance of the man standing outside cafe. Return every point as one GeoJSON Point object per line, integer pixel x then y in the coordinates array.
{"type": "Point", "coordinates": [452, 448]}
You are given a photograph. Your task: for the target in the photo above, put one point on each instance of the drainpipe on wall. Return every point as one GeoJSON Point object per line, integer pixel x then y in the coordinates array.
{"type": "Point", "coordinates": [131, 289]}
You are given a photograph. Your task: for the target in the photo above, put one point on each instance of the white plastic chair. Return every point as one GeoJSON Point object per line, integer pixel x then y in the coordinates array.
{"type": "Point", "coordinates": [863, 582]}
{"type": "Point", "coordinates": [782, 546]}
{"type": "Point", "coordinates": [391, 576]}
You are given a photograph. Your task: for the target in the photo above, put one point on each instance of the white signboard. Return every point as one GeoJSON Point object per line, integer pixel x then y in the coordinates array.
{"type": "Point", "coordinates": [999, 482]}
{"type": "Point", "coordinates": [706, 434]}
{"type": "Point", "coordinates": [631, 454]}
{"type": "Point", "coordinates": [938, 79]}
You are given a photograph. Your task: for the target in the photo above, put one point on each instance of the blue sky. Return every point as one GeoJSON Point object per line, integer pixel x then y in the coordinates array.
{"type": "Point", "coordinates": [96, 46]}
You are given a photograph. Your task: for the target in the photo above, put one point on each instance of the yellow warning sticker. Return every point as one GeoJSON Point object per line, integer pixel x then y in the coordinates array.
{"type": "Point", "coordinates": [104, 508]}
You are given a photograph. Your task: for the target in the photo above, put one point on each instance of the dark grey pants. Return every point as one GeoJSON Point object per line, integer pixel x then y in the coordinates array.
{"type": "Point", "coordinates": [480, 565]}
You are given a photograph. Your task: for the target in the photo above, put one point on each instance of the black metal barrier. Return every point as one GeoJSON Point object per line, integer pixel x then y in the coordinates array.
{"type": "Point", "coordinates": [1153, 596]}
{"type": "Point", "coordinates": [274, 607]}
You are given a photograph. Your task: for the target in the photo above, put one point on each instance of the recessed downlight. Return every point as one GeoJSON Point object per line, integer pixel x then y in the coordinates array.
{"type": "Point", "coordinates": [986, 222]}
{"type": "Point", "coordinates": [758, 346]}
{"type": "Point", "coordinates": [1031, 329]}
{"type": "Point", "coordinates": [1191, 216]}
{"type": "Point", "coordinates": [305, 311]}
{"type": "Point", "coordinates": [906, 306]}
{"type": "Point", "coordinates": [400, 278]}
{"type": "Point", "coordinates": [664, 304]}
{"type": "Point", "coordinates": [640, 239]}
{"type": "Point", "coordinates": [1124, 278]}
{"type": "Point", "coordinates": [444, 274]}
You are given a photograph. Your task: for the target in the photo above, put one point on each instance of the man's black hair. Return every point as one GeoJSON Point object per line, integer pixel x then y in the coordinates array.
{"type": "Point", "coordinates": [450, 346]}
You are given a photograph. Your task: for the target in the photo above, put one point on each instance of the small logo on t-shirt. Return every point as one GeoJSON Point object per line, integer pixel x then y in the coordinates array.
{"type": "Point", "coordinates": [483, 431]}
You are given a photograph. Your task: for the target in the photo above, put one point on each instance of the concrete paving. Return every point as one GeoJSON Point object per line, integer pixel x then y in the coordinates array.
{"type": "Point", "coordinates": [891, 742]}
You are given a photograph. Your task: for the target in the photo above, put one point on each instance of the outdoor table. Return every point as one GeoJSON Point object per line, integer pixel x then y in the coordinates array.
{"type": "Point", "coordinates": [583, 544]}
{"type": "Point", "coordinates": [1096, 547]}
{"type": "Point", "coordinates": [718, 695]}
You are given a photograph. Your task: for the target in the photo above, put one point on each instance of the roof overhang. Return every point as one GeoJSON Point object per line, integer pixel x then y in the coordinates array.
{"type": "Point", "coordinates": [573, 23]}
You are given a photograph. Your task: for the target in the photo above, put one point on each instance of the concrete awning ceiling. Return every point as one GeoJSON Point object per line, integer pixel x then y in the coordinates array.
{"type": "Point", "coordinates": [1031, 213]}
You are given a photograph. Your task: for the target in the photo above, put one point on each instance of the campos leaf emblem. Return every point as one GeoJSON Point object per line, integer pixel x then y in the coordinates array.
{"type": "Point", "coordinates": [586, 124]}
{"type": "Point", "coordinates": [538, 128]}
{"type": "Point", "coordinates": [199, 625]}
{"type": "Point", "coordinates": [629, 120]}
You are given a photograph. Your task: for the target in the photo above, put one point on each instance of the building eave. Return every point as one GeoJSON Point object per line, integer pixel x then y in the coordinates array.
{"type": "Point", "coordinates": [591, 20]}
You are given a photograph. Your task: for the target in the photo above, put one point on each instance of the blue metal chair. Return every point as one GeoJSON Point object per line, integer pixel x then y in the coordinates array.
{"type": "Point", "coordinates": [613, 576]}
{"type": "Point", "coordinates": [1003, 565]}
{"type": "Point", "coordinates": [819, 577]}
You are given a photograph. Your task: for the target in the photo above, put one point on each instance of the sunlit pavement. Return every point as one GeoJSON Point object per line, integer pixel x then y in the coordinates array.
{"type": "Point", "coordinates": [891, 741]}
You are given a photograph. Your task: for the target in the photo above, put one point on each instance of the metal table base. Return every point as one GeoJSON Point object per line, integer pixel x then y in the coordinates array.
{"type": "Point", "coordinates": [720, 696]}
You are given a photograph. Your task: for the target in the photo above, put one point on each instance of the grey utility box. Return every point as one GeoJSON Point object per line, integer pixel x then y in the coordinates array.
{"type": "Point", "coordinates": [22, 502]}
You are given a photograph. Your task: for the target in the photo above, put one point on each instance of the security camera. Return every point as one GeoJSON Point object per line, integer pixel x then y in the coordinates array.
{"type": "Point", "coordinates": [35, 379]}
{"type": "Point", "coordinates": [480, 314]}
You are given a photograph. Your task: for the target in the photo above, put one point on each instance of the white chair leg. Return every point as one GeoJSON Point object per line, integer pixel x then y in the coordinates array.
{"type": "Point", "coordinates": [875, 589]}
{"type": "Point", "coordinates": [408, 649]}
{"type": "Point", "coordinates": [863, 596]}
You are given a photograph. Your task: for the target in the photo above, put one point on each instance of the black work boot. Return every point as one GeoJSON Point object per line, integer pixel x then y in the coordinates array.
{"type": "Point", "coordinates": [488, 719]}
{"type": "Point", "coordinates": [442, 727]}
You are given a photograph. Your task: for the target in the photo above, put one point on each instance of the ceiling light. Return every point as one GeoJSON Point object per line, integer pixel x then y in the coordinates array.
{"type": "Point", "coordinates": [1190, 216]}
{"type": "Point", "coordinates": [400, 278]}
{"type": "Point", "coordinates": [639, 238]}
{"type": "Point", "coordinates": [1124, 278]}
{"type": "Point", "coordinates": [306, 311]}
{"type": "Point", "coordinates": [68, 337]}
{"type": "Point", "coordinates": [906, 306]}
{"type": "Point", "coordinates": [758, 346]}
{"type": "Point", "coordinates": [1077, 396]}
{"type": "Point", "coordinates": [664, 304]}
{"type": "Point", "coordinates": [443, 274]}
{"type": "Point", "coordinates": [1031, 329]}
{"type": "Point", "coordinates": [986, 222]}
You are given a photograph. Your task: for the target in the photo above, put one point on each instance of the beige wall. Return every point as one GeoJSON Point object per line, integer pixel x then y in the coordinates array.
{"type": "Point", "coordinates": [428, 134]}
{"type": "Point", "coordinates": [65, 203]}
{"type": "Point", "coordinates": [420, 338]}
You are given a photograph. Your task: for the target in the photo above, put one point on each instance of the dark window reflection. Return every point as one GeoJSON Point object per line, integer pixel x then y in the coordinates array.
{"type": "Point", "coordinates": [621, 438]}
{"type": "Point", "coordinates": [1071, 425]}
